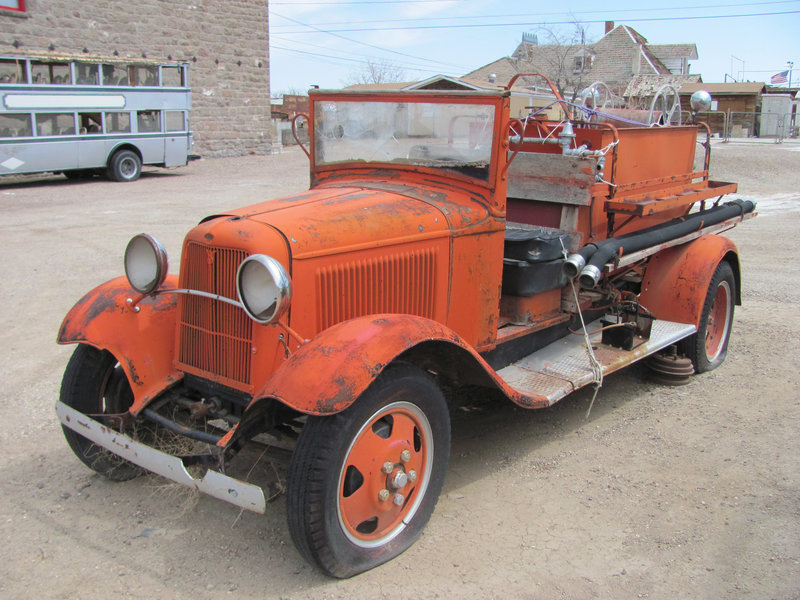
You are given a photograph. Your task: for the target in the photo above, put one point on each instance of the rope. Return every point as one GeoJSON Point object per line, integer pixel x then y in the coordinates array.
{"type": "Point", "coordinates": [594, 364]}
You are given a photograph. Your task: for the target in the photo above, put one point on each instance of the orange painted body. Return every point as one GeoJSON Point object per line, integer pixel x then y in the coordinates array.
{"type": "Point", "coordinates": [676, 280]}
{"type": "Point", "coordinates": [397, 261]}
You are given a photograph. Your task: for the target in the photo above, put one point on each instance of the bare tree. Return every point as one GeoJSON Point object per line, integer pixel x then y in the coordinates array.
{"type": "Point", "coordinates": [376, 71]}
{"type": "Point", "coordinates": [564, 56]}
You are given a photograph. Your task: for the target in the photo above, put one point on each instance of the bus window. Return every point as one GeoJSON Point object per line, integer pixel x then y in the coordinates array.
{"type": "Point", "coordinates": [55, 124]}
{"type": "Point", "coordinates": [115, 75]}
{"type": "Point", "coordinates": [86, 74]}
{"type": "Point", "coordinates": [175, 120]}
{"type": "Point", "coordinates": [148, 121]}
{"type": "Point", "coordinates": [15, 125]}
{"type": "Point", "coordinates": [50, 73]}
{"type": "Point", "coordinates": [12, 71]}
{"type": "Point", "coordinates": [90, 123]}
{"type": "Point", "coordinates": [118, 122]}
{"type": "Point", "coordinates": [172, 77]}
{"type": "Point", "coordinates": [143, 75]}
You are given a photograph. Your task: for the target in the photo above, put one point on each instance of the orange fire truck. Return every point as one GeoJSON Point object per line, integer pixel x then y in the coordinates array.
{"type": "Point", "coordinates": [442, 244]}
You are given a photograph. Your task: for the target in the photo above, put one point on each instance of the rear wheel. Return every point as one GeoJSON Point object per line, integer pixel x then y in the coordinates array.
{"type": "Point", "coordinates": [363, 483]}
{"type": "Point", "coordinates": [708, 347]}
{"type": "Point", "coordinates": [125, 165]}
{"type": "Point", "coordinates": [95, 384]}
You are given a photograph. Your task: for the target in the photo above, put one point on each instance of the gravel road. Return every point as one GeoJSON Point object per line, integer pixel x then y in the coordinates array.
{"type": "Point", "coordinates": [690, 492]}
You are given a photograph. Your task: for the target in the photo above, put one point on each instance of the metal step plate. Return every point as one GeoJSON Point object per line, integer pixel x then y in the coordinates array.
{"type": "Point", "coordinates": [563, 366]}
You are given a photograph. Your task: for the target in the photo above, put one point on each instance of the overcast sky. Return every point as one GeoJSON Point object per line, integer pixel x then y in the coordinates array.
{"type": "Point", "coordinates": [325, 42]}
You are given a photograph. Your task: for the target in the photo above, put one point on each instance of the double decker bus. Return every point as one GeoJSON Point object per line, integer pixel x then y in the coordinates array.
{"type": "Point", "coordinates": [81, 116]}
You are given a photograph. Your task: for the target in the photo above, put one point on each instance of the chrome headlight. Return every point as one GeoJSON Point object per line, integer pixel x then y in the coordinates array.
{"type": "Point", "coordinates": [264, 288]}
{"type": "Point", "coordinates": [145, 263]}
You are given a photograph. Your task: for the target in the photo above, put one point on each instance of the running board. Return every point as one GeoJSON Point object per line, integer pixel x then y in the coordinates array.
{"type": "Point", "coordinates": [564, 366]}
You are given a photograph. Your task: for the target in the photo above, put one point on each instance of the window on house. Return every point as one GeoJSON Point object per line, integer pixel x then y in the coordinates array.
{"type": "Point", "coordinates": [582, 63]}
{"type": "Point", "coordinates": [13, 5]}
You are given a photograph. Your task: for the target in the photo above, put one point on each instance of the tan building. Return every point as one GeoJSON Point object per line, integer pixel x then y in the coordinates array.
{"type": "Point", "coordinates": [225, 44]}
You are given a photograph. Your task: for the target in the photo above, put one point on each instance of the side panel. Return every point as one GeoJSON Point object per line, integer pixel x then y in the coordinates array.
{"type": "Point", "coordinates": [676, 281]}
{"type": "Point", "coordinates": [142, 341]}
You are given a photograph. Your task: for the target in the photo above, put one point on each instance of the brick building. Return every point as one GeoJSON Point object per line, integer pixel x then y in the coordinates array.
{"type": "Point", "coordinates": [225, 43]}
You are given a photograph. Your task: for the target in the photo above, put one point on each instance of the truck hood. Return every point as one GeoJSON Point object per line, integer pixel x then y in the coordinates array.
{"type": "Point", "coordinates": [342, 219]}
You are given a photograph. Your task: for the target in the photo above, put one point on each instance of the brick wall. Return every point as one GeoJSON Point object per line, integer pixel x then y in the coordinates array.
{"type": "Point", "coordinates": [225, 43]}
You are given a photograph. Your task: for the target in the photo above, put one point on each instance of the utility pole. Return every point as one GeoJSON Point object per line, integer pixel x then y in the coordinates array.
{"type": "Point", "coordinates": [791, 65]}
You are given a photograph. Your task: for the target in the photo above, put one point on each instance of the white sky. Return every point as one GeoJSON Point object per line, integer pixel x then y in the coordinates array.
{"type": "Point", "coordinates": [471, 33]}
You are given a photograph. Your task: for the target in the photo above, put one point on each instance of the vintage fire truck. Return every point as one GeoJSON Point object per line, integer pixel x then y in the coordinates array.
{"type": "Point", "coordinates": [442, 244]}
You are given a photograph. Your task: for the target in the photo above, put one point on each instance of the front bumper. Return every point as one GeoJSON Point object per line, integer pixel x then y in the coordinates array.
{"type": "Point", "coordinates": [242, 494]}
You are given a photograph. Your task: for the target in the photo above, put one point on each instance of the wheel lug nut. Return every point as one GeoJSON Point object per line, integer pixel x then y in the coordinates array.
{"type": "Point", "coordinates": [398, 499]}
{"type": "Point", "coordinates": [383, 495]}
{"type": "Point", "coordinates": [388, 467]}
{"type": "Point", "coordinates": [399, 480]}
{"type": "Point", "coordinates": [405, 456]}
{"type": "Point", "coordinates": [412, 476]}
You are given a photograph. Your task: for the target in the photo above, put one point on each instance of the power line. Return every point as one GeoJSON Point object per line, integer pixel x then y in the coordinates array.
{"type": "Point", "coordinates": [516, 15]}
{"type": "Point", "coordinates": [541, 23]}
{"type": "Point", "coordinates": [317, 29]}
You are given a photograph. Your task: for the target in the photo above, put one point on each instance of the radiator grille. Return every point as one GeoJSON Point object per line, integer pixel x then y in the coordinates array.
{"type": "Point", "coordinates": [399, 283]}
{"type": "Point", "coordinates": [214, 337]}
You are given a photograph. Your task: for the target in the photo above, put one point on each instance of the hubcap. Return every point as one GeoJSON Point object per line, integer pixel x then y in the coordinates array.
{"type": "Point", "coordinates": [366, 483]}
{"type": "Point", "coordinates": [718, 321]}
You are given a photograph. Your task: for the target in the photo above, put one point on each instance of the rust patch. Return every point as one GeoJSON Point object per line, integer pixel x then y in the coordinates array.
{"type": "Point", "coordinates": [132, 370]}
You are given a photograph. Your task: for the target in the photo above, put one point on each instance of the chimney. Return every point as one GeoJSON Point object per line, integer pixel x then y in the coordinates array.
{"type": "Point", "coordinates": [609, 26]}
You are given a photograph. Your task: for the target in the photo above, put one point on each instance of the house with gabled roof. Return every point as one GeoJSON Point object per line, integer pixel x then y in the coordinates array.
{"type": "Point", "coordinates": [620, 55]}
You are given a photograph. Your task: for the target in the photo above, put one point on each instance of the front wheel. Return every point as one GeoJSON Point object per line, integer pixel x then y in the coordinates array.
{"type": "Point", "coordinates": [363, 483]}
{"type": "Point", "coordinates": [95, 384]}
{"type": "Point", "coordinates": [708, 347]}
{"type": "Point", "coordinates": [125, 165]}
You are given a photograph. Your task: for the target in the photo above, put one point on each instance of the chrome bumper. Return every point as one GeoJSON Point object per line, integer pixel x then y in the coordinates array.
{"type": "Point", "coordinates": [213, 483]}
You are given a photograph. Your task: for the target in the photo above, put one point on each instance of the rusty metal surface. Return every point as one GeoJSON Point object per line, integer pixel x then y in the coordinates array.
{"type": "Point", "coordinates": [563, 366]}
{"type": "Point", "coordinates": [213, 483]}
{"type": "Point", "coordinates": [676, 280]}
{"type": "Point", "coordinates": [142, 340]}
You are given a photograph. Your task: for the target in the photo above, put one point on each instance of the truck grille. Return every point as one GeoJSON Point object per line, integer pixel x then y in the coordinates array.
{"type": "Point", "coordinates": [214, 337]}
{"type": "Point", "coordinates": [398, 283]}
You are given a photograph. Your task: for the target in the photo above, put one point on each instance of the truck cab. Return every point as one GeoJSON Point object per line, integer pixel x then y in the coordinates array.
{"type": "Point", "coordinates": [441, 244]}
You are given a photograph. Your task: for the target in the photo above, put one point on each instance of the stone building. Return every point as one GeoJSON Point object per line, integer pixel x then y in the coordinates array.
{"type": "Point", "coordinates": [225, 44]}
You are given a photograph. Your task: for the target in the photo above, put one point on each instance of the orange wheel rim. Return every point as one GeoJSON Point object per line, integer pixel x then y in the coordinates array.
{"type": "Point", "coordinates": [718, 321]}
{"type": "Point", "coordinates": [385, 474]}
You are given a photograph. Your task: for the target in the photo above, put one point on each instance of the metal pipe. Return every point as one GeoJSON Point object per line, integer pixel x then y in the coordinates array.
{"type": "Point", "coordinates": [194, 434]}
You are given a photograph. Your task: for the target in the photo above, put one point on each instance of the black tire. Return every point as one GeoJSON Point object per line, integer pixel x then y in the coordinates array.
{"type": "Point", "coordinates": [95, 384]}
{"type": "Point", "coordinates": [708, 347]}
{"type": "Point", "coordinates": [125, 165]}
{"type": "Point", "coordinates": [337, 517]}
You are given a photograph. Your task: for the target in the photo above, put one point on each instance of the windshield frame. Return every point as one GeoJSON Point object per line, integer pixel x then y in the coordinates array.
{"type": "Point", "coordinates": [493, 99]}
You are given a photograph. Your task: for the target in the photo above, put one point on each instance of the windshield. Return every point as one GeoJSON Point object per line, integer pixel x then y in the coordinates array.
{"type": "Point", "coordinates": [450, 136]}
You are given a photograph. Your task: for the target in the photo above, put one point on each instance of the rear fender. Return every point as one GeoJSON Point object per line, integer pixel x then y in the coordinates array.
{"type": "Point", "coordinates": [677, 279]}
{"type": "Point", "coordinates": [142, 340]}
{"type": "Point", "coordinates": [329, 373]}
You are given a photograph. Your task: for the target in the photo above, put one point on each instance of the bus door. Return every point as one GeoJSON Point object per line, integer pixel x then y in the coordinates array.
{"type": "Point", "coordinates": [176, 140]}
{"type": "Point", "coordinates": [92, 146]}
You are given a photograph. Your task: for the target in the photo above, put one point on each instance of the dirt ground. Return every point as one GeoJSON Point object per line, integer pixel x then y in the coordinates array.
{"type": "Point", "coordinates": [689, 492]}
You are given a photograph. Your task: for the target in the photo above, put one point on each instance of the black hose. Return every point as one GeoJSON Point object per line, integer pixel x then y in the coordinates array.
{"type": "Point", "coordinates": [658, 234]}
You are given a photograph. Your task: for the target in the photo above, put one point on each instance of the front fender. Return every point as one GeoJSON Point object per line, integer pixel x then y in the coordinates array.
{"type": "Point", "coordinates": [677, 279]}
{"type": "Point", "coordinates": [142, 341]}
{"type": "Point", "coordinates": [330, 372]}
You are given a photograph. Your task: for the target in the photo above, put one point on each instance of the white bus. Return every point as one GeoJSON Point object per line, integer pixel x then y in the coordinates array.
{"type": "Point", "coordinates": [81, 116]}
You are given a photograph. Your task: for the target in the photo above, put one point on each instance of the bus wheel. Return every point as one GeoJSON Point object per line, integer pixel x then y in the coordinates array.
{"type": "Point", "coordinates": [363, 483]}
{"type": "Point", "coordinates": [708, 347]}
{"type": "Point", "coordinates": [95, 384]}
{"type": "Point", "coordinates": [125, 165]}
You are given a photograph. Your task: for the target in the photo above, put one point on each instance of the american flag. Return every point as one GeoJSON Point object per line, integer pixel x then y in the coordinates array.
{"type": "Point", "coordinates": [781, 77]}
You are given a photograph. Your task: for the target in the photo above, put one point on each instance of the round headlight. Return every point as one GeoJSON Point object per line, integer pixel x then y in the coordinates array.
{"type": "Point", "coordinates": [264, 288]}
{"type": "Point", "coordinates": [145, 263]}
